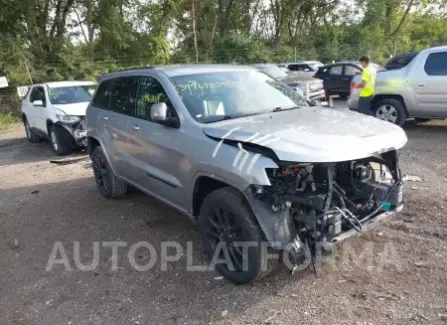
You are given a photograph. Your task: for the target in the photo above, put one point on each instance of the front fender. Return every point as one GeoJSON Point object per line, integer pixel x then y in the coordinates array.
{"type": "Point", "coordinates": [279, 227]}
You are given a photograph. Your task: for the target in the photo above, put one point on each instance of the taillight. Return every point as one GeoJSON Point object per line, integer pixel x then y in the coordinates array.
{"type": "Point", "coordinates": [352, 87]}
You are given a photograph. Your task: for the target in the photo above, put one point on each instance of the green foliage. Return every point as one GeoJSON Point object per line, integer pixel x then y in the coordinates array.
{"type": "Point", "coordinates": [46, 40]}
{"type": "Point", "coordinates": [8, 120]}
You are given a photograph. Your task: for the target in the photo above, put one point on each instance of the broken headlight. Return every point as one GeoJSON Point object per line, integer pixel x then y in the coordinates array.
{"type": "Point", "coordinates": [70, 119]}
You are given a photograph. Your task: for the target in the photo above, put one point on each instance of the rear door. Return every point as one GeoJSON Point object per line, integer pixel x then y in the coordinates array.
{"type": "Point", "coordinates": [116, 98]}
{"type": "Point", "coordinates": [156, 160]}
{"type": "Point", "coordinates": [431, 85]}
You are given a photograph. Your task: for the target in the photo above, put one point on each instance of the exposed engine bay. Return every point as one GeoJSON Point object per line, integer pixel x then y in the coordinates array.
{"type": "Point", "coordinates": [326, 200]}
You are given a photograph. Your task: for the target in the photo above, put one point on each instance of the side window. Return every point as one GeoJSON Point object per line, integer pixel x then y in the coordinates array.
{"type": "Point", "coordinates": [123, 95]}
{"type": "Point", "coordinates": [436, 64]}
{"type": "Point", "coordinates": [336, 70]}
{"type": "Point", "coordinates": [150, 92]}
{"type": "Point", "coordinates": [294, 67]}
{"type": "Point", "coordinates": [38, 93]}
{"type": "Point", "coordinates": [102, 97]}
{"type": "Point", "coordinates": [350, 70]}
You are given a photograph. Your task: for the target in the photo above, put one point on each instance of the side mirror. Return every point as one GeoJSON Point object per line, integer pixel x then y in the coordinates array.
{"type": "Point", "coordinates": [159, 113]}
{"type": "Point", "coordinates": [38, 103]}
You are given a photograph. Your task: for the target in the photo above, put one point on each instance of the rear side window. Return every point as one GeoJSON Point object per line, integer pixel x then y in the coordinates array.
{"type": "Point", "coordinates": [123, 95]}
{"type": "Point", "coordinates": [336, 70]}
{"type": "Point", "coordinates": [295, 67]}
{"type": "Point", "coordinates": [102, 97]}
{"type": "Point", "coordinates": [436, 64]}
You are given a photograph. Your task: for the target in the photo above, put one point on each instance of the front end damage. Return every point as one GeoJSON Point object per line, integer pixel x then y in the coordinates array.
{"type": "Point", "coordinates": [320, 205]}
{"type": "Point", "coordinates": [77, 129]}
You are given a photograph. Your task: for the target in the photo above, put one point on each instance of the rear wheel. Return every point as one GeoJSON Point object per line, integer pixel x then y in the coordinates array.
{"type": "Point", "coordinates": [231, 235]}
{"type": "Point", "coordinates": [30, 135]}
{"type": "Point", "coordinates": [108, 184]}
{"type": "Point", "coordinates": [391, 110]}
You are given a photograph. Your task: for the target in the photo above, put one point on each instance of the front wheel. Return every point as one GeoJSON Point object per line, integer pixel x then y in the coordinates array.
{"type": "Point", "coordinates": [61, 141]}
{"type": "Point", "coordinates": [391, 110]}
{"type": "Point", "coordinates": [232, 238]}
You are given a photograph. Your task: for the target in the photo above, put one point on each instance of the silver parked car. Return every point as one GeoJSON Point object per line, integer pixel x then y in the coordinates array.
{"type": "Point", "coordinates": [311, 89]}
{"type": "Point", "coordinates": [259, 169]}
{"type": "Point", "coordinates": [303, 69]}
{"type": "Point", "coordinates": [418, 90]}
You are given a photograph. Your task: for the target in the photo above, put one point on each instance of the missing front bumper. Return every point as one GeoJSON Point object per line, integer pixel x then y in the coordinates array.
{"type": "Point", "coordinates": [367, 227]}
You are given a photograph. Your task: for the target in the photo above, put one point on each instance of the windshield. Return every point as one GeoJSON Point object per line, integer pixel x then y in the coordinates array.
{"type": "Point", "coordinates": [215, 96]}
{"type": "Point", "coordinates": [273, 71]}
{"type": "Point", "coordinates": [71, 95]}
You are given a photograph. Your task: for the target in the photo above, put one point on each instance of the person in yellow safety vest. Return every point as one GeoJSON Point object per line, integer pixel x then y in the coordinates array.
{"type": "Point", "coordinates": [367, 86]}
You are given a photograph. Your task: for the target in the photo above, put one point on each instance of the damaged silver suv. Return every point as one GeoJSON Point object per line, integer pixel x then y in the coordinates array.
{"type": "Point", "coordinates": [247, 158]}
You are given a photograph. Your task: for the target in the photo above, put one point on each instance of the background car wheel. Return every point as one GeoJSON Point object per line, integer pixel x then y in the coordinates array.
{"type": "Point", "coordinates": [391, 110]}
{"type": "Point", "coordinates": [109, 185]}
{"type": "Point", "coordinates": [30, 135]}
{"type": "Point", "coordinates": [61, 141]}
{"type": "Point", "coordinates": [225, 220]}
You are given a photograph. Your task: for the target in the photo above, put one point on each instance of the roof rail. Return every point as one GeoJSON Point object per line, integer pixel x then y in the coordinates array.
{"type": "Point", "coordinates": [136, 68]}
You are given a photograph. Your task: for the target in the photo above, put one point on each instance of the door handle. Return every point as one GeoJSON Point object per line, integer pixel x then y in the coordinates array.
{"type": "Point", "coordinates": [136, 127]}
{"type": "Point", "coordinates": [106, 117]}
{"type": "Point", "coordinates": [421, 85]}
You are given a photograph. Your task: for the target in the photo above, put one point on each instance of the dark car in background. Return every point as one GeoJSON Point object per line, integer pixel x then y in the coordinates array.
{"type": "Point", "coordinates": [400, 61]}
{"type": "Point", "coordinates": [337, 77]}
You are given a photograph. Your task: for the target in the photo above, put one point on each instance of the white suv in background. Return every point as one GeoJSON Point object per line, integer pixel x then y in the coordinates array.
{"type": "Point", "coordinates": [56, 111]}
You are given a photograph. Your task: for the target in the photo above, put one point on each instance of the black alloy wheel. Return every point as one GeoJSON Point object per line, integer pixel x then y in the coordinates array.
{"type": "Point", "coordinates": [224, 228]}
{"type": "Point", "coordinates": [101, 174]}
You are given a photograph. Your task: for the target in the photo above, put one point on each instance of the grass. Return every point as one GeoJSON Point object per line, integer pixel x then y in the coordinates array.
{"type": "Point", "coordinates": [8, 120]}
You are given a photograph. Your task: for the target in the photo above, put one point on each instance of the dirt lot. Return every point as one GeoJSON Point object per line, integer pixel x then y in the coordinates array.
{"type": "Point", "coordinates": [42, 203]}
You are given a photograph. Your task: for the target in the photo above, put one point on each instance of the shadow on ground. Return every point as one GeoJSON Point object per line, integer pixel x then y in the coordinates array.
{"type": "Point", "coordinates": [74, 211]}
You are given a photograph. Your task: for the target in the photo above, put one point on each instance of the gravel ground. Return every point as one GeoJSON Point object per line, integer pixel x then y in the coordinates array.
{"type": "Point", "coordinates": [403, 282]}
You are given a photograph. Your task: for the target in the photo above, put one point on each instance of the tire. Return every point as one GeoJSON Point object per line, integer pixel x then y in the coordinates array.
{"type": "Point", "coordinates": [391, 110]}
{"type": "Point", "coordinates": [30, 135]}
{"type": "Point", "coordinates": [61, 141]}
{"type": "Point", "coordinates": [227, 208]}
{"type": "Point", "coordinates": [343, 95]}
{"type": "Point", "coordinates": [108, 184]}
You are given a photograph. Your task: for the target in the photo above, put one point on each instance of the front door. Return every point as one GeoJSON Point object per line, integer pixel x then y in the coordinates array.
{"type": "Point", "coordinates": [430, 85]}
{"type": "Point", "coordinates": [153, 148]}
{"type": "Point", "coordinates": [39, 113]}
{"type": "Point", "coordinates": [349, 72]}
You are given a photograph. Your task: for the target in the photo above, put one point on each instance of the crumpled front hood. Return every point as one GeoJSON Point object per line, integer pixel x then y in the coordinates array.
{"type": "Point", "coordinates": [78, 109]}
{"type": "Point", "coordinates": [313, 134]}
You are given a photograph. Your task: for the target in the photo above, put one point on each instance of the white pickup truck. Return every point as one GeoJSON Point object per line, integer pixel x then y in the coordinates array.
{"type": "Point", "coordinates": [418, 90]}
